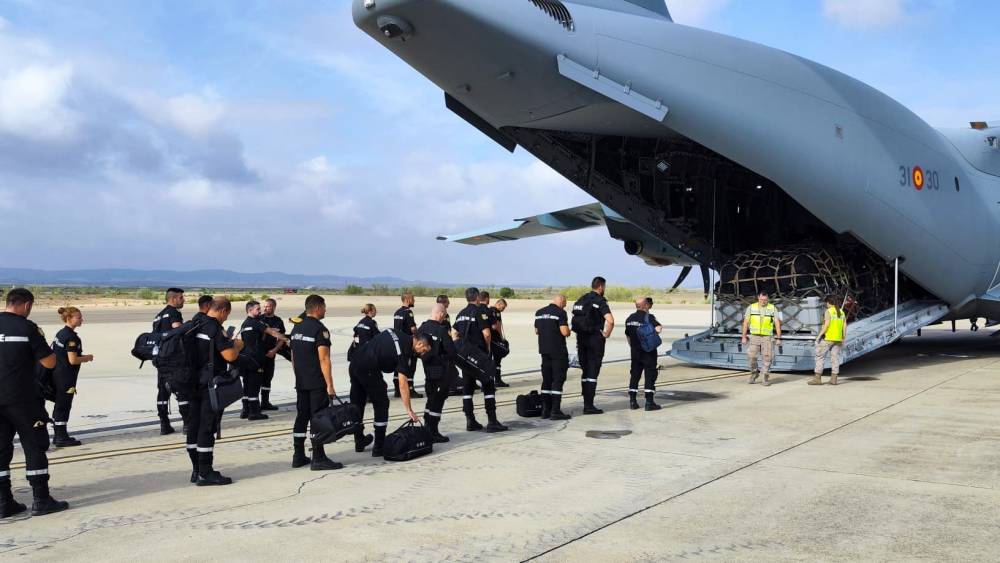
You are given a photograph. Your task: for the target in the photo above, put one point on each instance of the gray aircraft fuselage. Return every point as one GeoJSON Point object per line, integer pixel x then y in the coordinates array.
{"type": "Point", "coordinates": [858, 161]}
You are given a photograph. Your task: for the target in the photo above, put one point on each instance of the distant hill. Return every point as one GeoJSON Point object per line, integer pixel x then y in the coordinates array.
{"type": "Point", "coordinates": [197, 278]}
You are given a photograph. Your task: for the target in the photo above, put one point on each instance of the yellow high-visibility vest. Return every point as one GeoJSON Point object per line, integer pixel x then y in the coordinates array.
{"type": "Point", "coordinates": [835, 332]}
{"type": "Point", "coordinates": [761, 320]}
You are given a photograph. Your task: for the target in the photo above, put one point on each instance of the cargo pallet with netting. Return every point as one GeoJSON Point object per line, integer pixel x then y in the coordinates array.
{"type": "Point", "coordinates": [797, 280]}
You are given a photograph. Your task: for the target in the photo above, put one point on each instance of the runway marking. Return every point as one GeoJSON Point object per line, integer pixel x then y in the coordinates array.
{"type": "Point", "coordinates": [755, 463]}
{"type": "Point", "coordinates": [285, 431]}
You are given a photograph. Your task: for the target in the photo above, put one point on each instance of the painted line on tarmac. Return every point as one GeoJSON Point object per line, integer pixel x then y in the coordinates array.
{"type": "Point", "coordinates": [285, 431]}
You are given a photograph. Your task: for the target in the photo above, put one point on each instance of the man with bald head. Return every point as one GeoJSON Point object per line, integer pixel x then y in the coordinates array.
{"type": "Point", "coordinates": [552, 328]}
{"type": "Point", "coordinates": [437, 367]}
{"type": "Point", "coordinates": [642, 361]}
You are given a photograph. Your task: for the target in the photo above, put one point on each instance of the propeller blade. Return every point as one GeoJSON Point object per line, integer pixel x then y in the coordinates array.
{"type": "Point", "coordinates": [680, 279]}
{"type": "Point", "coordinates": [706, 280]}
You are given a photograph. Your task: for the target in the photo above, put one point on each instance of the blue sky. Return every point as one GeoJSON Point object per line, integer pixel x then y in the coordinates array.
{"type": "Point", "coordinates": [257, 136]}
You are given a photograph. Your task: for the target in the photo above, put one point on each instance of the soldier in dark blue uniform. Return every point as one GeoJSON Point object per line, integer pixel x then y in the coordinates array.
{"type": "Point", "coordinates": [22, 412]}
{"type": "Point", "coordinates": [454, 378]}
{"type": "Point", "coordinates": [274, 347]}
{"type": "Point", "coordinates": [168, 319]}
{"type": "Point", "coordinates": [310, 344]}
{"type": "Point", "coordinates": [436, 369]}
{"type": "Point", "coordinates": [497, 336]}
{"type": "Point", "coordinates": [552, 328]}
{"type": "Point", "coordinates": [389, 352]}
{"type": "Point", "coordinates": [642, 361]}
{"type": "Point", "coordinates": [474, 359]}
{"type": "Point", "coordinates": [251, 362]}
{"type": "Point", "coordinates": [404, 323]}
{"type": "Point", "coordinates": [215, 351]}
{"type": "Point", "coordinates": [365, 330]}
{"type": "Point", "coordinates": [69, 358]}
{"type": "Point", "coordinates": [593, 324]}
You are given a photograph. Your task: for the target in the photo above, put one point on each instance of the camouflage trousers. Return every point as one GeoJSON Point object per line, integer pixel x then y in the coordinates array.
{"type": "Point", "coordinates": [761, 346]}
{"type": "Point", "coordinates": [834, 349]}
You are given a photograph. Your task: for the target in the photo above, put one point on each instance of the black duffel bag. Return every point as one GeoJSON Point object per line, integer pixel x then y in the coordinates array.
{"type": "Point", "coordinates": [409, 441]}
{"type": "Point", "coordinates": [335, 421]}
{"type": "Point", "coordinates": [501, 348]}
{"type": "Point", "coordinates": [225, 390]}
{"type": "Point", "coordinates": [45, 378]}
{"type": "Point", "coordinates": [530, 405]}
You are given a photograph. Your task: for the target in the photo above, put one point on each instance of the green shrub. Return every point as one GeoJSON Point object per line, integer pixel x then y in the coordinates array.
{"type": "Point", "coordinates": [352, 289]}
{"type": "Point", "coordinates": [506, 293]}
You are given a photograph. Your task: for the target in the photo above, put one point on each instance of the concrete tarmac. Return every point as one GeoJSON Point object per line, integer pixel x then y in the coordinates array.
{"type": "Point", "coordinates": [898, 463]}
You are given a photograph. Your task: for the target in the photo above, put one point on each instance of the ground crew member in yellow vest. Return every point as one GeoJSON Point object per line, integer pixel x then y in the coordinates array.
{"type": "Point", "coordinates": [830, 341]}
{"type": "Point", "coordinates": [761, 330]}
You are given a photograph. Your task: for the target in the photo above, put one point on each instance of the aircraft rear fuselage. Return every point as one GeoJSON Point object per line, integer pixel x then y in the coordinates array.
{"type": "Point", "coordinates": [854, 159]}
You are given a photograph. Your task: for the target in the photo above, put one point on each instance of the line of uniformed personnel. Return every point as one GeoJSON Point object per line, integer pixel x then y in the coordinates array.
{"type": "Point", "coordinates": [443, 347]}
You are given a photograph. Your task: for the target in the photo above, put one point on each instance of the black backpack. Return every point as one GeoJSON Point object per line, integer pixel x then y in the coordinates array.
{"type": "Point", "coordinates": [583, 316]}
{"type": "Point", "coordinates": [146, 347]}
{"type": "Point", "coordinates": [176, 354]}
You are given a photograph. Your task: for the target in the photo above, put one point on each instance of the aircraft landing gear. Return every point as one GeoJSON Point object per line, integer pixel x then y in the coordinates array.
{"type": "Point", "coordinates": [975, 325]}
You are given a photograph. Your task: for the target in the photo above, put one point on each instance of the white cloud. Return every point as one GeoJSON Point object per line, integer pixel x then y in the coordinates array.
{"type": "Point", "coordinates": [33, 102]}
{"type": "Point", "coordinates": [341, 211]}
{"type": "Point", "coordinates": [864, 14]}
{"type": "Point", "coordinates": [193, 114]}
{"type": "Point", "coordinates": [199, 194]}
{"type": "Point", "coordinates": [695, 12]}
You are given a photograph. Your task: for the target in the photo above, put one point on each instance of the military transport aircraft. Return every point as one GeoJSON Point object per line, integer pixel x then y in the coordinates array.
{"type": "Point", "coordinates": [711, 151]}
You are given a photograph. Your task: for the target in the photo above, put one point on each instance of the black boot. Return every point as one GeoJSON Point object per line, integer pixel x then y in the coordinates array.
{"type": "Point", "coordinates": [414, 394]}
{"type": "Point", "coordinates": [43, 502]}
{"type": "Point", "coordinates": [557, 413]}
{"type": "Point", "coordinates": [494, 425]}
{"type": "Point", "coordinates": [165, 427]}
{"type": "Point", "coordinates": [362, 440]}
{"type": "Point", "coordinates": [8, 504]}
{"type": "Point", "coordinates": [255, 413]}
{"type": "Point", "coordinates": [650, 404]}
{"type": "Point", "coordinates": [499, 380]}
{"type": "Point", "coordinates": [245, 413]}
{"type": "Point", "coordinates": [265, 401]}
{"type": "Point", "coordinates": [432, 426]}
{"type": "Point", "coordinates": [193, 454]}
{"type": "Point", "coordinates": [319, 460]}
{"type": "Point", "coordinates": [589, 392]}
{"type": "Point", "coordinates": [633, 400]}
{"type": "Point", "coordinates": [379, 440]}
{"type": "Point", "coordinates": [299, 458]}
{"type": "Point", "coordinates": [62, 439]}
{"type": "Point", "coordinates": [546, 405]}
{"type": "Point", "coordinates": [207, 475]}
{"type": "Point", "coordinates": [471, 424]}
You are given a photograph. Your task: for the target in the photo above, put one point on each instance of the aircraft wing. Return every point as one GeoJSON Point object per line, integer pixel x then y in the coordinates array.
{"type": "Point", "coordinates": [573, 219]}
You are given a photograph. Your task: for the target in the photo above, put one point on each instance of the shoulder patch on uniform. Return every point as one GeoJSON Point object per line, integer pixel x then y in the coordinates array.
{"type": "Point", "coordinates": [485, 317]}
{"type": "Point", "coordinates": [326, 335]}
{"type": "Point", "coordinates": [42, 332]}
{"type": "Point", "coordinates": [295, 320]}
{"type": "Point", "coordinates": [71, 343]}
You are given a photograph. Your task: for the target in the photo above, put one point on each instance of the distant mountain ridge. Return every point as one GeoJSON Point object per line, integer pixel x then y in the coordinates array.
{"type": "Point", "coordinates": [196, 278]}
